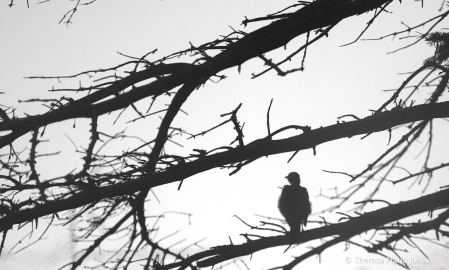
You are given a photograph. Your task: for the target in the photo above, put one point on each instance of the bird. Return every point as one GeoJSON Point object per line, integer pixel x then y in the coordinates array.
{"type": "Point", "coordinates": [294, 204]}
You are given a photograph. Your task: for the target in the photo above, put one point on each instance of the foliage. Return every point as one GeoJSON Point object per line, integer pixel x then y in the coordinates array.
{"type": "Point", "coordinates": [439, 40]}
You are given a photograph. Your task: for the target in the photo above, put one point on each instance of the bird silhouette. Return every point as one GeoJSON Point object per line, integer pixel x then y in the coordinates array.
{"type": "Point", "coordinates": [294, 204]}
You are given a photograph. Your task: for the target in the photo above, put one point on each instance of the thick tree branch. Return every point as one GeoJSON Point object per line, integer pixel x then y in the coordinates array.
{"type": "Point", "coordinates": [259, 148]}
{"type": "Point", "coordinates": [265, 39]}
{"type": "Point", "coordinates": [345, 230]}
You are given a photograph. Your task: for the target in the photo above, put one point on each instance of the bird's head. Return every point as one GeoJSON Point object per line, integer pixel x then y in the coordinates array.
{"type": "Point", "coordinates": [293, 178]}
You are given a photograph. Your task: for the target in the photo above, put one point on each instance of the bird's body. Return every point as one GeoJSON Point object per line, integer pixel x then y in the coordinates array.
{"type": "Point", "coordinates": [294, 204]}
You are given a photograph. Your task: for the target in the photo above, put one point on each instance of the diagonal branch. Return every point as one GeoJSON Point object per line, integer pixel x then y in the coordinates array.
{"type": "Point", "coordinates": [343, 231]}
{"type": "Point", "coordinates": [263, 40]}
{"type": "Point", "coordinates": [259, 148]}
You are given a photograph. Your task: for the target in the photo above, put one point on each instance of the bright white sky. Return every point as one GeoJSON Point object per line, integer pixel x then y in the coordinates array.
{"type": "Point", "coordinates": [337, 81]}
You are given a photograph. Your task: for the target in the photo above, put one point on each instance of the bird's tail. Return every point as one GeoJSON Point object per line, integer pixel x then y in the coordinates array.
{"type": "Point", "coordinates": [295, 233]}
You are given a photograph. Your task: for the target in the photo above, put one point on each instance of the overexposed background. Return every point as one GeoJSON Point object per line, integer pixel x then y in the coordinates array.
{"type": "Point", "coordinates": [336, 81]}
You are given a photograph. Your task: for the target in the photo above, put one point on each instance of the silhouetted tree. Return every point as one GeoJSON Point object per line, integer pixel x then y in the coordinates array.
{"type": "Point", "coordinates": [117, 190]}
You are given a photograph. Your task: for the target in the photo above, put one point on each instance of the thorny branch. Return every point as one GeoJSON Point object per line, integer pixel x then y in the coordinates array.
{"type": "Point", "coordinates": [345, 231]}
{"type": "Point", "coordinates": [415, 132]}
{"type": "Point", "coordinates": [255, 149]}
{"type": "Point", "coordinates": [120, 194]}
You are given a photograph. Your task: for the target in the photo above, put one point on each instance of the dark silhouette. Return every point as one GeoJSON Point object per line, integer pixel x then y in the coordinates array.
{"type": "Point", "coordinates": [294, 204]}
{"type": "Point", "coordinates": [139, 139]}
